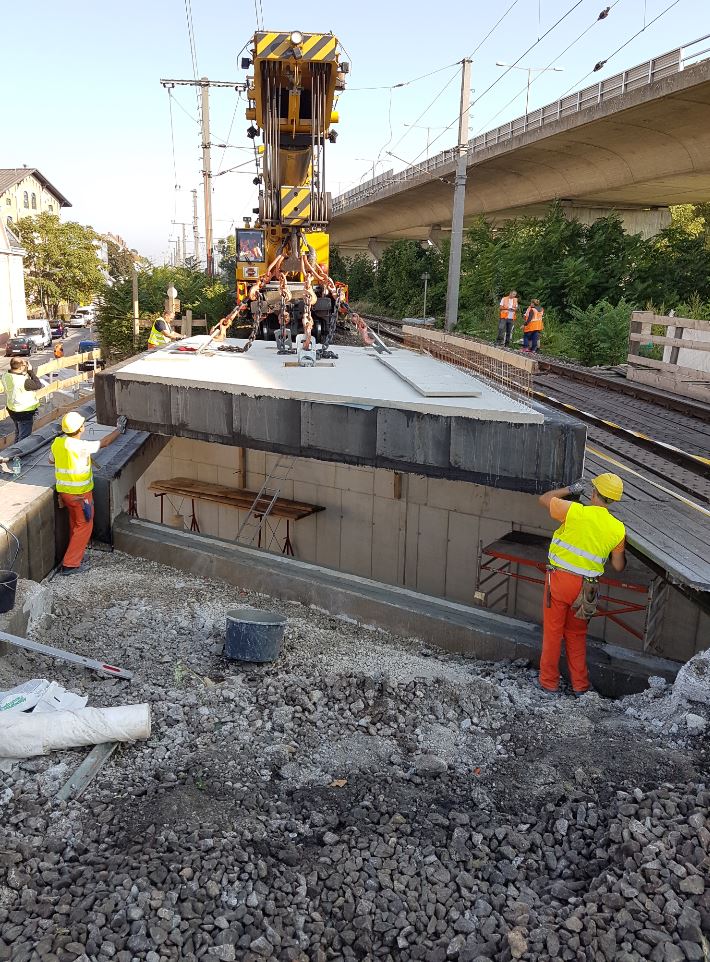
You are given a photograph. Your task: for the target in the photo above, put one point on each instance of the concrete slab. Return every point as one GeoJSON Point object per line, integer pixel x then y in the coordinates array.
{"type": "Point", "coordinates": [429, 377]}
{"type": "Point", "coordinates": [358, 412]}
{"type": "Point", "coordinates": [358, 377]}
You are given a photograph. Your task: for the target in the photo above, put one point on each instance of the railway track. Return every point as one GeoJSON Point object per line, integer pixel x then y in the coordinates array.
{"type": "Point", "coordinates": [663, 437]}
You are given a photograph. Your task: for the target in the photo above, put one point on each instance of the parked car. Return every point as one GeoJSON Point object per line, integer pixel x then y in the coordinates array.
{"type": "Point", "coordinates": [37, 329]}
{"type": "Point", "coordinates": [84, 348]}
{"type": "Point", "coordinates": [19, 347]}
{"type": "Point", "coordinates": [82, 317]}
{"type": "Point", "coordinates": [57, 328]}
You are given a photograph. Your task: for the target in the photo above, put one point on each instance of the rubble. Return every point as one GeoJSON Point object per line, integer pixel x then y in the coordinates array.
{"type": "Point", "coordinates": [364, 797]}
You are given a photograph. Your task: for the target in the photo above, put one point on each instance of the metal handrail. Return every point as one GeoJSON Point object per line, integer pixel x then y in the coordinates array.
{"type": "Point", "coordinates": [645, 74]}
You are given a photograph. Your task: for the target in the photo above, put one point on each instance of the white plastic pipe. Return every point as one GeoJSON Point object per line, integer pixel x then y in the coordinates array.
{"type": "Point", "coordinates": [23, 735]}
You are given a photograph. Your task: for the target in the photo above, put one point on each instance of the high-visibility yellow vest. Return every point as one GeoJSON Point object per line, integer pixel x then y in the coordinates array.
{"type": "Point", "coordinates": [585, 539]}
{"type": "Point", "coordinates": [157, 338]}
{"type": "Point", "coordinates": [72, 470]}
{"type": "Point", "coordinates": [18, 399]}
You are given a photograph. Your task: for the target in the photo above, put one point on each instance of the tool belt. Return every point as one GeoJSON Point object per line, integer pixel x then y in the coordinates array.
{"type": "Point", "coordinates": [585, 604]}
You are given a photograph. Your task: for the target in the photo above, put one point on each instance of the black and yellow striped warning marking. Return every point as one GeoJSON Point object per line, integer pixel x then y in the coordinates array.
{"type": "Point", "coordinates": [295, 206]}
{"type": "Point", "coordinates": [319, 47]}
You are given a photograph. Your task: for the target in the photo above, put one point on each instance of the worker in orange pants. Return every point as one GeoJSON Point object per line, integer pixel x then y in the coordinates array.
{"type": "Point", "coordinates": [71, 457]}
{"type": "Point", "coordinates": [81, 523]}
{"type": "Point", "coordinates": [587, 536]}
{"type": "Point", "coordinates": [559, 621]}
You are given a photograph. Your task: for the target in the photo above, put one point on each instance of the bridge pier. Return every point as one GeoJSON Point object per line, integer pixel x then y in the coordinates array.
{"type": "Point", "coordinates": [646, 221]}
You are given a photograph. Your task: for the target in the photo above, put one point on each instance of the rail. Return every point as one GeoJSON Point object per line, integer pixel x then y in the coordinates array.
{"type": "Point", "coordinates": [645, 74]}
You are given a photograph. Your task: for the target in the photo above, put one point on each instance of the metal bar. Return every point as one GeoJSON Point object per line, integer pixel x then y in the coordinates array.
{"type": "Point", "coordinates": [86, 772]}
{"type": "Point", "coordinates": [59, 653]}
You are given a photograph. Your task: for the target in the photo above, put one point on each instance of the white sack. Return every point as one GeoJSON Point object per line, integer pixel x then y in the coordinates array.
{"type": "Point", "coordinates": [23, 697]}
{"type": "Point", "coordinates": [23, 735]}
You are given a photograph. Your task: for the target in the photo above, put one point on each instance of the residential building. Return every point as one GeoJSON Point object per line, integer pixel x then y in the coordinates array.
{"type": "Point", "coordinates": [24, 192]}
{"type": "Point", "coordinates": [13, 312]}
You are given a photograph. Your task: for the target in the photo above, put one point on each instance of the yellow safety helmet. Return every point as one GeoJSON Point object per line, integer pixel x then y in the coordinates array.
{"type": "Point", "coordinates": [609, 486]}
{"type": "Point", "coordinates": [72, 422]}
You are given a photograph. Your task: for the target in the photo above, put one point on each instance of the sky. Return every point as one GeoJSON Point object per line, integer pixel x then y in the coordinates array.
{"type": "Point", "coordinates": [86, 106]}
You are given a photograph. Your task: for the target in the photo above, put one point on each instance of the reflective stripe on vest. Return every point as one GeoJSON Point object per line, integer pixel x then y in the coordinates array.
{"type": "Point", "coordinates": [585, 540]}
{"type": "Point", "coordinates": [158, 338]}
{"type": "Point", "coordinates": [18, 399]}
{"type": "Point", "coordinates": [72, 471]}
{"type": "Point", "coordinates": [508, 308]}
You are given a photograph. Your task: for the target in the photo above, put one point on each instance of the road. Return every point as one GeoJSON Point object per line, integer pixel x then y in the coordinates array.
{"type": "Point", "coordinates": [71, 344]}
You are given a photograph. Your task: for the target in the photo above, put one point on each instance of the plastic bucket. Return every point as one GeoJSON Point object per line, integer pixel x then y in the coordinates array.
{"type": "Point", "coordinates": [8, 588]}
{"type": "Point", "coordinates": [254, 634]}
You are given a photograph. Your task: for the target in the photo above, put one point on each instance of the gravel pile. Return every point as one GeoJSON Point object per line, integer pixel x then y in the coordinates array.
{"type": "Point", "coordinates": [367, 797]}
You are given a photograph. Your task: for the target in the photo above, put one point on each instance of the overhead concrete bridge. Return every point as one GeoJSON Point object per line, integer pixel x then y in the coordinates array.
{"type": "Point", "coordinates": [635, 143]}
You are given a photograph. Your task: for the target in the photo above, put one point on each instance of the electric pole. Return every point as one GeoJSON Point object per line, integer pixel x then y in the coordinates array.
{"type": "Point", "coordinates": [195, 229]}
{"type": "Point", "coordinates": [452, 290]}
{"type": "Point", "coordinates": [207, 174]}
{"type": "Point", "coordinates": [204, 84]}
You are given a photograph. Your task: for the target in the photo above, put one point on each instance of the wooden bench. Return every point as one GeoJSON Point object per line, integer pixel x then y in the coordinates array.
{"type": "Point", "coordinates": [240, 498]}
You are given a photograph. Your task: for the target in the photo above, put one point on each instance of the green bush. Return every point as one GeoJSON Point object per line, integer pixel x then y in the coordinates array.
{"type": "Point", "coordinates": [600, 334]}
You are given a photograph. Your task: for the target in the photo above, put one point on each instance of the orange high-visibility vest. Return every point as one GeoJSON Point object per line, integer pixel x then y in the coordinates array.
{"type": "Point", "coordinates": [533, 319]}
{"type": "Point", "coordinates": [508, 308]}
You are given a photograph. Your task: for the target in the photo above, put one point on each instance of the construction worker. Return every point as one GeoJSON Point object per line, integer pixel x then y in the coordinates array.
{"type": "Point", "coordinates": [71, 457]}
{"type": "Point", "coordinates": [20, 384]}
{"type": "Point", "coordinates": [507, 317]}
{"type": "Point", "coordinates": [587, 536]}
{"type": "Point", "coordinates": [161, 333]}
{"type": "Point", "coordinates": [533, 326]}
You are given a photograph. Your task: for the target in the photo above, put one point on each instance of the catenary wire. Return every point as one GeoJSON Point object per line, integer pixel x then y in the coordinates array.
{"type": "Point", "coordinates": [638, 33]}
{"type": "Point", "coordinates": [569, 46]}
{"type": "Point", "coordinates": [454, 75]}
{"type": "Point", "coordinates": [505, 72]}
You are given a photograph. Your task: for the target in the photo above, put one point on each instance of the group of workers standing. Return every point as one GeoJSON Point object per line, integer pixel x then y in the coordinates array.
{"type": "Point", "coordinates": [532, 322]}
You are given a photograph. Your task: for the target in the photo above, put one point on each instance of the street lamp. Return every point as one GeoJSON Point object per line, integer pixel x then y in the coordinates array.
{"type": "Point", "coordinates": [428, 131]}
{"type": "Point", "coordinates": [369, 160]}
{"type": "Point", "coordinates": [172, 294]}
{"type": "Point", "coordinates": [530, 71]}
{"type": "Point", "coordinates": [425, 278]}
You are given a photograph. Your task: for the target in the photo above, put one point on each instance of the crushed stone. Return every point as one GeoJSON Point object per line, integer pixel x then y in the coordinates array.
{"type": "Point", "coordinates": [364, 797]}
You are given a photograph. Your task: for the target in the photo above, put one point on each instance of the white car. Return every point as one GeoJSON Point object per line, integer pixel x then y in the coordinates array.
{"type": "Point", "coordinates": [82, 317]}
{"type": "Point", "coordinates": [37, 330]}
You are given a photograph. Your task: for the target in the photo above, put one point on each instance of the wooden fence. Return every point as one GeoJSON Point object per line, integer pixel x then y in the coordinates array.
{"type": "Point", "coordinates": [685, 368]}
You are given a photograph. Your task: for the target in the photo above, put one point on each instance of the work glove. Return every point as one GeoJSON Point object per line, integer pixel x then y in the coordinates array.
{"type": "Point", "coordinates": [122, 423]}
{"type": "Point", "coordinates": [577, 487]}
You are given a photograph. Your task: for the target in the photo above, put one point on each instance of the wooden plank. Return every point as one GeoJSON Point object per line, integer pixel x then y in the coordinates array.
{"type": "Point", "coordinates": [689, 323]}
{"type": "Point", "coordinates": [60, 363]}
{"type": "Point", "coordinates": [668, 383]}
{"type": "Point", "coordinates": [86, 772]}
{"type": "Point", "coordinates": [689, 373]}
{"type": "Point", "coordinates": [238, 498]}
{"type": "Point", "coordinates": [670, 342]}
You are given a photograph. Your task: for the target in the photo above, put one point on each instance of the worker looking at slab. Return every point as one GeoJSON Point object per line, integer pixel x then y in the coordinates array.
{"type": "Point", "coordinates": [20, 384]}
{"type": "Point", "coordinates": [161, 333]}
{"type": "Point", "coordinates": [588, 535]}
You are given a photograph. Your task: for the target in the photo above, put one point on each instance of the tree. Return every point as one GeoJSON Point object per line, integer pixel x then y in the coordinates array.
{"type": "Point", "coordinates": [204, 296]}
{"type": "Point", "coordinates": [61, 262]}
{"type": "Point", "coordinates": [227, 251]}
{"type": "Point", "coordinates": [120, 260]}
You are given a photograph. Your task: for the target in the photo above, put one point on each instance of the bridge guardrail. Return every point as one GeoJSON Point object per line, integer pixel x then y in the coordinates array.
{"type": "Point", "coordinates": [644, 74]}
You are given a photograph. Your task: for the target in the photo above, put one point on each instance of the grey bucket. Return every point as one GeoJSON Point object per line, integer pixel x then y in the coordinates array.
{"type": "Point", "coordinates": [254, 634]}
{"type": "Point", "coordinates": [8, 588]}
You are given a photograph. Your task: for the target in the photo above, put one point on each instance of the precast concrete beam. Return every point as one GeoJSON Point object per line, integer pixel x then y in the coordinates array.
{"type": "Point", "coordinates": [491, 439]}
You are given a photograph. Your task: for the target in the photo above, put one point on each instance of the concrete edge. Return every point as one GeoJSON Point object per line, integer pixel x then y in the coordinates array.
{"type": "Point", "coordinates": [449, 625]}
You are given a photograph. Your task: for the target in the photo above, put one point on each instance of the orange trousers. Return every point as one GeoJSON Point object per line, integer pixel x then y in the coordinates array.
{"type": "Point", "coordinates": [561, 589]}
{"type": "Point", "coordinates": [79, 528]}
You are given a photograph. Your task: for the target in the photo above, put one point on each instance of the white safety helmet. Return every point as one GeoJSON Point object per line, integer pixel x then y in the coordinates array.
{"type": "Point", "coordinates": [72, 422]}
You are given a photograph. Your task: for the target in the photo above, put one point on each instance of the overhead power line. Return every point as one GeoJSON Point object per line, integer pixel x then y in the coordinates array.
{"type": "Point", "coordinates": [505, 72]}
{"type": "Point", "coordinates": [601, 63]}
{"type": "Point", "coordinates": [602, 16]}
